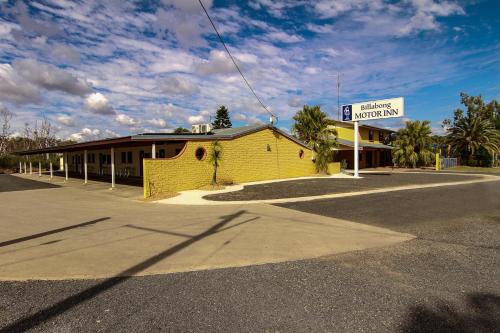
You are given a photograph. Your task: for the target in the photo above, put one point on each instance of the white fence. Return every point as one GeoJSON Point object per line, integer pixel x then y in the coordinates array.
{"type": "Point", "coordinates": [447, 162]}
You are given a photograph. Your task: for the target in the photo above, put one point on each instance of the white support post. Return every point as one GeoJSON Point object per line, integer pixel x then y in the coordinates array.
{"type": "Point", "coordinates": [51, 171]}
{"type": "Point", "coordinates": [153, 150]}
{"type": "Point", "coordinates": [25, 170]}
{"type": "Point", "coordinates": [20, 167]}
{"type": "Point", "coordinates": [85, 165]}
{"type": "Point", "coordinates": [39, 169]}
{"type": "Point", "coordinates": [31, 168]}
{"type": "Point", "coordinates": [65, 157]}
{"type": "Point", "coordinates": [112, 168]}
{"type": "Point", "coordinates": [356, 149]}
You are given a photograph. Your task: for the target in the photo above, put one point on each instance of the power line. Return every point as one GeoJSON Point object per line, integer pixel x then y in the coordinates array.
{"type": "Point", "coordinates": [234, 62]}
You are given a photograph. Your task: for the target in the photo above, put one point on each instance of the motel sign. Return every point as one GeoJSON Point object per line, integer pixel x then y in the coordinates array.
{"type": "Point", "coordinates": [380, 109]}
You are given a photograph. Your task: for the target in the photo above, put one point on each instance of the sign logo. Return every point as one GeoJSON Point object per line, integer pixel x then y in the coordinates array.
{"type": "Point", "coordinates": [347, 112]}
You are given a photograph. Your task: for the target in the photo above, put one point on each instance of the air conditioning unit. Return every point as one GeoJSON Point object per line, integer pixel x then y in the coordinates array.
{"type": "Point", "coordinates": [201, 128]}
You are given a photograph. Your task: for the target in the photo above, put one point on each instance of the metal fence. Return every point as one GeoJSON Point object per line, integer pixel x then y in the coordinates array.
{"type": "Point", "coordinates": [447, 162]}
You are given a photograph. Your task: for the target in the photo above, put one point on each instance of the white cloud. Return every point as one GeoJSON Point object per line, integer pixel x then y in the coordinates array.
{"type": "Point", "coordinates": [188, 5]}
{"type": "Point", "coordinates": [65, 53]}
{"type": "Point", "coordinates": [66, 120]}
{"type": "Point", "coordinates": [179, 86]}
{"type": "Point", "coordinates": [294, 102]}
{"type": "Point", "coordinates": [157, 122]}
{"type": "Point", "coordinates": [86, 134]}
{"type": "Point", "coordinates": [312, 70]}
{"type": "Point", "coordinates": [125, 120]}
{"type": "Point", "coordinates": [218, 63]}
{"type": "Point", "coordinates": [50, 77]}
{"type": "Point", "coordinates": [281, 36]}
{"type": "Point", "coordinates": [15, 88]}
{"type": "Point", "coordinates": [98, 103]}
{"type": "Point", "coordinates": [200, 118]}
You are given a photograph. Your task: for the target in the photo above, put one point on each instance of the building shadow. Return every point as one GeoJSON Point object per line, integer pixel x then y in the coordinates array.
{"type": "Point", "coordinates": [70, 302]}
{"type": "Point", "coordinates": [482, 314]}
{"type": "Point", "coordinates": [51, 232]}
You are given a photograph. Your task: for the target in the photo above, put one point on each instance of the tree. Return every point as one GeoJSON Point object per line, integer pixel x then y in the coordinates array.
{"type": "Point", "coordinates": [181, 130]}
{"type": "Point", "coordinates": [474, 131]}
{"type": "Point", "coordinates": [5, 117]}
{"type": "Point", "coordinates": [313, 127]}
{"type": "Point", "coordinates": [470, 133]}
{"type": "Point", "coordinates": [222, 118]}
{"type": "Point", "coordinates": [412, 144]}
{"type": "Point", "coordinates": [215, 159]}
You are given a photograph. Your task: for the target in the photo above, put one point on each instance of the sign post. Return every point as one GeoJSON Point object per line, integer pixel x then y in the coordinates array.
{"type": "Point", "coordinates": [371, 110]}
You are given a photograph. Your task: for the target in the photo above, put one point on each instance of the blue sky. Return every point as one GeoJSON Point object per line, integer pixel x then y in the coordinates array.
{"type": "Point", "coordinates": [105, 68]}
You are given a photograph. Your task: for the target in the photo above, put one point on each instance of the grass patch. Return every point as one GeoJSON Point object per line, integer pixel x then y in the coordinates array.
{"type": "Point", "coordinates": [474, 169]}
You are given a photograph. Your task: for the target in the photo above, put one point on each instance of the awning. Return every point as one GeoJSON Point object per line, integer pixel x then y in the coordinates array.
{"type": "Point", "coordinates": [367, 145]}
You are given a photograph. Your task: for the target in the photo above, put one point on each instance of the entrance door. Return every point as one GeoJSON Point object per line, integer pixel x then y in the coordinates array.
{"type": "Point", "coordinates": [369, 159]}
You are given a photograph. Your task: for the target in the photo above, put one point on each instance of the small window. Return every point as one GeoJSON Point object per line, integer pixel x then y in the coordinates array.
{"type": "Point", "coordinates": [124, 157]}
{"type": "Point", "coordinates": [129, 157]}
{"type": "Point", "coordinates": [200, 153]}
{"type": "Point", "coordinates": [370, 135]}
{"type": "Point", "coordinates": [301, 154]}
{"type": "Point", "coordinates": [268, 147]}
{"type": "Point", "coordinates": [162, 153]}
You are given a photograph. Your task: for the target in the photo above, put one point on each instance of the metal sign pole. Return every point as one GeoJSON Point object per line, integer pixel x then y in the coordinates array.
{"type": "Point", "coordinates": [356, 149]}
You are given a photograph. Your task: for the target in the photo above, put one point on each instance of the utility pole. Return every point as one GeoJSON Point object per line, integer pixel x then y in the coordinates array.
{"type": "Point", "coordinates": [338, 96]}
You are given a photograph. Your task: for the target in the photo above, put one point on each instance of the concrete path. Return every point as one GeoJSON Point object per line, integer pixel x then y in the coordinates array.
{"type": "Point", "coordinates": [71, 232]}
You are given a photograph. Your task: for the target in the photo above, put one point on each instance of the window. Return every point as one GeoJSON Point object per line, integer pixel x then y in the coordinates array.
{"type": "Point", "coordinates": [370, 135]}
{"type": "Point", "coordinates": [124, 157]}
{"type": "Point", "coordinates": [108, 157]}
{"type": "Point", "coordinates": [301, 154]}
{"type": "Point", "coordinates": [129, 157]}
{"type": "Point", "coordinates": [381, 136]}
{"type": "Point", "coordinates": [200, 153]}
{"type": "Point", "coordinates": [162, 153]}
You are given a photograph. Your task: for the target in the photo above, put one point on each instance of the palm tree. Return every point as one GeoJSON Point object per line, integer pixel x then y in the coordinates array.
{"type": "Point", "coordinates": [312, 126]}
{"type": "Point", "coordinates": [215, 159]}
{"type": "Point", "coordinates": [471, 133]}
{"type": "Point", "coordinates": [412, 144]}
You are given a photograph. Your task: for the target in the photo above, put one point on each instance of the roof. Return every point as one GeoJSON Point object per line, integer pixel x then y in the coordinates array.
{"type": "Point", "coordinates": [140, 139]}
{"type": "Point", "coordinates": [363, 144]}
{"type": "Point", "coordinates": [364, 125]}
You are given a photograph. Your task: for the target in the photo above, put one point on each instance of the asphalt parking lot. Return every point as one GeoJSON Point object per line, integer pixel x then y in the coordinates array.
{"type": "Point", "coordinates": [445, 280]}
{"type": "Point", "coordinates": [320, 186]}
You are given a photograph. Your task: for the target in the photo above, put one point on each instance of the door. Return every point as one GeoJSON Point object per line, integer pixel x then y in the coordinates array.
{"type": "Point", "coordinates": [369, 159]}
{"type": "Point", "coordinates": [142, 155]}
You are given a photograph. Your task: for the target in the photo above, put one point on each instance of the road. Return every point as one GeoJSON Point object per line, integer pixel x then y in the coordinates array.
{"type": "Point", "coordinates": [446, 280]}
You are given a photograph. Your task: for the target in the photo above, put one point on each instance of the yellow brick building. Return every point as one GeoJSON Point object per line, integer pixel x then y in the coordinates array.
{"type": "Point", "coordinates": [373, 144]}
{"type": "Point", "coordinates": [169, 162]}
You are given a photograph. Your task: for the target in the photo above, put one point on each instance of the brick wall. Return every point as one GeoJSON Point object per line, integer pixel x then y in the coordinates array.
{"type": "Point", "coordinates": [258, 156]}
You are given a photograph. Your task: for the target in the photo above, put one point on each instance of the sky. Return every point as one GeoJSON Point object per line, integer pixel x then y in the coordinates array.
{"type": "Point", "coordinates": [99, 69]}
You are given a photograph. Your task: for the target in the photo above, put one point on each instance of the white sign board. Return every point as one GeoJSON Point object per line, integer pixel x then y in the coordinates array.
{"type": "Point", "coordinates": [384, 108]}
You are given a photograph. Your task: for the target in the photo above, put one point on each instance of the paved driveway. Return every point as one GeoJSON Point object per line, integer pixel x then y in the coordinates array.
{"type": "Point", "coordinates": [446, 280]}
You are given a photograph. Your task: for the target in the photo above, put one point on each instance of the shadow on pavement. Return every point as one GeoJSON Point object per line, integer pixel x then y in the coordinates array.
{"type": "Point", "coordinates": [50, 232]}
{"type": "Point", "coordinates": [10, 183]}
{"type": "Point", "coordinates": [41, 316]}
{"type": "Point", "coordinates": [482, 315]}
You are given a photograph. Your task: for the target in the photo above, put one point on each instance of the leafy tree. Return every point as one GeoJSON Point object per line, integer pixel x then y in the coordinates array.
{"type": "Point", "coordinates": [215, 159]}
{"type": "Point", "coordinates": [313, 127]}
{"type": "Point", "coordinates": [470, 133]}
{"type": "Point", "coordinates": [181, 130]}
{"type": "Point", "coordinates": [222, 118]}
{"type": "Point", "coordinates": [412, 144]}
{"type": "Point", "coordinates": [474, 131]}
